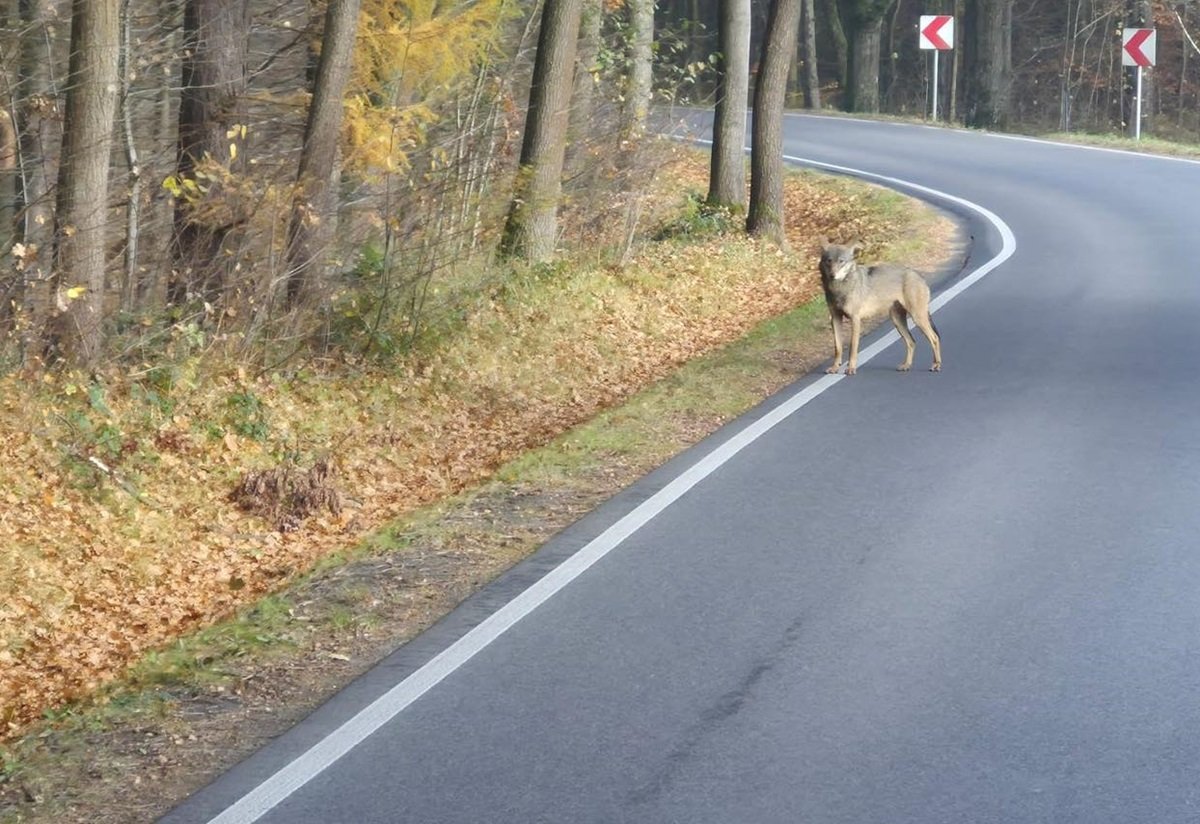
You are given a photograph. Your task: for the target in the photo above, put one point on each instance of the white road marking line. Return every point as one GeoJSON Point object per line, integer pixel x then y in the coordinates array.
{"type": "Point", "coordinates": [276, 788]}
{"type": "Point", "coordinates": [1108, 149]}
{"type": "Point", "coordinates": [1021, 138]}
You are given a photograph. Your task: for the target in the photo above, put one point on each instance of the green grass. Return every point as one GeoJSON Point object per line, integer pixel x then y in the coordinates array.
{"type": "Point", "coordinates": [1148, 144]}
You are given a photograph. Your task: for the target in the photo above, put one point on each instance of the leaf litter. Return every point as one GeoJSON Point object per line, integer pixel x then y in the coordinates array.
{"type": "Point", "coordinates": [122, 529]}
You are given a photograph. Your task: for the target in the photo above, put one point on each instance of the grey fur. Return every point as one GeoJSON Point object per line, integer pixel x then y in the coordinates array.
{"type": "Point", "coordinates": [855, 292]}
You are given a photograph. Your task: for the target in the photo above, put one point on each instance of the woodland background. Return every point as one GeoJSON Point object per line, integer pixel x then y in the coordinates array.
{"type": "Point", "coordinates": [188, 176]}
{"type": "Point", "coordinates": [253, 252]}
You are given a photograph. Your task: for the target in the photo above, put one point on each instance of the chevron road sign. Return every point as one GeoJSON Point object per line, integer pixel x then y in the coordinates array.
{"type": "Point", "coordinates": [1138, 47]}
{"type": "Point", "coordinates": [937, 31]}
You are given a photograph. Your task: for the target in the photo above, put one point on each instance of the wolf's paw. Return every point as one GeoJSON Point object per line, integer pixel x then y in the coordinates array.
{"type": "Point", "coordinates": [937, 367]}
{"type": "Point", "coordinates": [833, 370]}
{"type": "Point", "coordinates": [851, 370]}
{"type": "Point", "coordinates": [904, 367]}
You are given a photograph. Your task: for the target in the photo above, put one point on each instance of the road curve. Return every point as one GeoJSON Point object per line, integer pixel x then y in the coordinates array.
{"type": "Point", "coordinates": [971, 596]}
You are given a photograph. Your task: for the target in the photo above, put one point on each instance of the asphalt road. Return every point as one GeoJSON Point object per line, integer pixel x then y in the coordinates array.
{"type": "Point", "coordinates": [971, 596]}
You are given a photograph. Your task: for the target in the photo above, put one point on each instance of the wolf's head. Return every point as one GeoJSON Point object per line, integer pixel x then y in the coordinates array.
{"type": "Point", "coordinates": [837, 261]}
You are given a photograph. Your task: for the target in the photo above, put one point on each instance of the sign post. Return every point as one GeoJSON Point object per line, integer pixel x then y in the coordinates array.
{"type": "Point", "coordinates": [937, 33]}
{"type": "Point", "coordinates": [1138, 48]}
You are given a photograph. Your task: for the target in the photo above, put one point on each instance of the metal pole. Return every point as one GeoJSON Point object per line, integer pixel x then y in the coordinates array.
{"type": "Point", "coordinates": [1137, 126]}
{"type": "Point", "coordinates": [935, 84]}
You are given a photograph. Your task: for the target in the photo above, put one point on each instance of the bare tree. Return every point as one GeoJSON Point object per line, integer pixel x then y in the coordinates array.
{"type": "Point", "coordinates": [811, 79]}
{"type": "Point", "coordinates": [841, 47]}
{"type": "Point", "coordinates": [214, 82]}
{"type": "Point", "coordinates": [955, 65]}
{"type": "Point", "coordinates": [866, 30]}
{"type": "Point", "coordinates": [765, 216]}
{"type": "Point", "coordinates": [988, 58]}
{"type": "Point", "coordinates": [727, 176]}
{"type": "Point", "coordinates": [314, 209]}
{"type": "Point", "coordinates": [79, 261]}
{"type": "Point", "coordinates": [583, 96]}
{"type": "Point", "coordinates": [641, 57]}
{"type": "Point", "coordinates": [40, 133]}
{"type": "Point", "coordinates": [531, 229]}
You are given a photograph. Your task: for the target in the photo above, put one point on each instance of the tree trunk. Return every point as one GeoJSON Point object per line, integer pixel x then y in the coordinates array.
{"type": "Point", "coordinates": [765, 217]}
{"type": "Point", "coordinates": [314, 210]}
{"type": "Point", "coordinates": [214, 81]}
{"type": "Point", "coordinates": [9, 190]}
{"type": "Point", "coordinates": [133, 200]}
{"type": "Point", "coordinates": [83, 178]}
{"type": "Point", "coordinates": [887, 94]}
{"type": "Point", "coordinates": [811, 80]}
{"type": "Point", "coordinates": [531, 229]}
{"type": "Point", "coordinates": [40, 135]}
{"type": "Point", "coordinates": [956, 63]}
{"type": "Point", "coordinates": [9, 284]}
{"type": "Point", "coordinates": [988, 44]}
{"type": "Point", "coordinates": [583, 96]}
{"type": "Point", "coordinates": [641, 56]}
{"type": "Point", "coordinates": [863, 91]}
{"type": "Point", "coordinates": [727, 172]}
{"type": "Point", "coordinates": [841, 47]}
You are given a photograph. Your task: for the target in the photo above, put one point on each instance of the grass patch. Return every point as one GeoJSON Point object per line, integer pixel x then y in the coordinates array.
{"type": "Point", "coordinates": [1147, 145]}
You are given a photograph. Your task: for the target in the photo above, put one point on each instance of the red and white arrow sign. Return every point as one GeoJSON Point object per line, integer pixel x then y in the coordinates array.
{"type": "Point", "coordinates": [937, 31]}
{"type": "Point", "coordinates": [1138, 47]}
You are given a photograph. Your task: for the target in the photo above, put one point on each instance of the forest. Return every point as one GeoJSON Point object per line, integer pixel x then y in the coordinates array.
{"type": "Point", "coordinates": [283, 180]}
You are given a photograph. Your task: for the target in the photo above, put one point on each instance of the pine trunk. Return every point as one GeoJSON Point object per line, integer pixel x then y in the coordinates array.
{"type": "Point", "coordinates": [314, 210]}
{"type": "Point", "coordinates": [765, 216]}
{"type": "Point", "coordinates": [864, 66]}
{"type": "Point", "coordinates": [583, 95]}
{"type": "Point", "coordinates": [989, 63]}
{"type": "Point", "coordinates": [641, 56]}
{"type": "Point", "coordinates": [214, 81]}
{"type": "Point", "coordinates": [531, 229]}
{"type": "Point", "coordinates": [811, 80]}
{"type": "Point", "coordinates": [841, 47]}
{"type": "Point", "coordinates": [727, 173]}
{"type": "Point", "coordinates": [83, 179]}
{"type": "Point", "coordinates": [40, 136]}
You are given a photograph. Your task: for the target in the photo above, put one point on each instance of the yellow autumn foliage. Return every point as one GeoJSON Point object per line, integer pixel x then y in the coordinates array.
{"type": "Point", "coordinates": [410, 56]}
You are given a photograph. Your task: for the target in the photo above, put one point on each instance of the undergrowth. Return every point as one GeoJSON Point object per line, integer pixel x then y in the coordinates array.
{"type": "Point", "coordinates": [151, 499]}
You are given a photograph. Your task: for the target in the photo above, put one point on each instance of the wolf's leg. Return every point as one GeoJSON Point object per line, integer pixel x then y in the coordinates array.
{"type": "Point", "coordinates": [835, 323]}
{"type": "Point", "coordinates": [855, 334]}
{"type": "Point", "coordinates": [925, 324]}
{"type": "Point", "coordinates": [900, 321]}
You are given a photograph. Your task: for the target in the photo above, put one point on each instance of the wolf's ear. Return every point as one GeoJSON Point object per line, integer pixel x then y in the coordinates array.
{"type": "Point", "coordinates": [824, 242]}
{"type": "Point", "coordinates": [855, 246]}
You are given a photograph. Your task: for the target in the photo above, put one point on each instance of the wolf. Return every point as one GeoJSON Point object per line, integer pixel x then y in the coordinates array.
{"type": "Point", "coordinates": [856, 292]}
